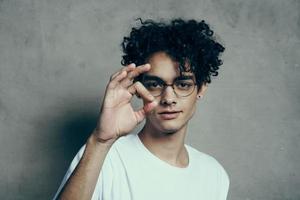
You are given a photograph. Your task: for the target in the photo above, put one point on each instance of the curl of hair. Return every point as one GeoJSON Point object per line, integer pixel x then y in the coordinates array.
{"type": "Point", "coordinates": [182, 40]}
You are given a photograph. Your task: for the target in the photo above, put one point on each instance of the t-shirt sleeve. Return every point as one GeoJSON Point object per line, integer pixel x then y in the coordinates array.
{"type": "Point", "coordinates": [103, 186]}
{"type": "Point", "coordinates": [225, 181]}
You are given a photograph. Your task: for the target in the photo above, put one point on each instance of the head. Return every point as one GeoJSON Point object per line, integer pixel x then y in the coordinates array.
{"type": "Point", "coordinates": [176, 49]}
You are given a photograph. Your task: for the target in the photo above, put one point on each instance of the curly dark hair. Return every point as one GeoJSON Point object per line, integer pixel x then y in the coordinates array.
{"type": "Point", "coordinates": [182, 40]}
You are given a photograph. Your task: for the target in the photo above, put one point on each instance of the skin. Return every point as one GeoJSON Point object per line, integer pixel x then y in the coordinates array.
{"type": "Point", "coordinates": [116, 105]}
{"type": "Point", "coordinates": [165, 138]}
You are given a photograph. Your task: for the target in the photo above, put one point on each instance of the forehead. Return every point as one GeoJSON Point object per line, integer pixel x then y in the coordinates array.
{"type": "Point", "coordinates": [164, 67]}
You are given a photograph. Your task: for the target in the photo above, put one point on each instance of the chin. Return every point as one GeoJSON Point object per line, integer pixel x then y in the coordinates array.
{"type": "Point", "coordinates": [168, 131]}
{"type": "Point", "coordinates": [169, 128]}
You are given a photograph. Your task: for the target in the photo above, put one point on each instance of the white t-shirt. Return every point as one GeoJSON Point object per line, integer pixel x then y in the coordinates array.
{"type": "Point", "coordinates": [131, 172]}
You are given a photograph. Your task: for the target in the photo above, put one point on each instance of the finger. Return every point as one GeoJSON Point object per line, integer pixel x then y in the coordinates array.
{"type": "Point", "coordinates": [148, 107]}
{"type": "Point", "coordinates": [141, 113]}
{"type": "Point", "coordinates": [139, 70]}
{"type": "Point", "coordinates": [114, 75]}
{"type": "Point", "coordinates": [121, 75]}
{"type": "Point", "coordinates": [138, 89]}
{"type": "Point", "coordinates": [134, 73]}
{"type": "Point", "coordinates": [114, 82]}
{"type": "Point", "coordinates": [126, 68]}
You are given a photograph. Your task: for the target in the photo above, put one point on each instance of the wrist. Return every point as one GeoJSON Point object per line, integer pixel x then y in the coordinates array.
{"type": "Point", "coordinates": [96, 139]}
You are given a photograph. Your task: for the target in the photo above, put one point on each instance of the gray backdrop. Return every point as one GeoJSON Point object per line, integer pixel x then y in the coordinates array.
{"type": "Point", "coordinates": [56, 57]}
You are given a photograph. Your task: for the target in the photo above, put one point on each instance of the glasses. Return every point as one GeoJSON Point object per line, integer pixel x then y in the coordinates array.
{"type": "Point", "coordinates": [183, 86]}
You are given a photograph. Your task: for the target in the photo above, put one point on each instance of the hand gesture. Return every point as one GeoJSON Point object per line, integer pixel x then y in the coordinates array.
{"type": "Point", "coordinates": [117, 117]}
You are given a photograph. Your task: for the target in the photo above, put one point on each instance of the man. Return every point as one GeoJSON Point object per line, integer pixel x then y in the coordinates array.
{"type": "Point", "coordinates": [168, 66]}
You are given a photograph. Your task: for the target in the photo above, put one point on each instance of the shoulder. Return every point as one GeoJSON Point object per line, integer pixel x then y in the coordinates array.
{"type": "Point", "coordinates": [125, 140]}
{"type": "Point", "coordinates": [124, 143]}
{"type": "Point", "coordinates": [123, 147]}
{"type": "Point", "coordinates": [202, 159]}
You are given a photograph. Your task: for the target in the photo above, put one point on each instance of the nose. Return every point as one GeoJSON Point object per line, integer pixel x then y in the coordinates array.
{"type": "Point", "coordinates": [168, 97]}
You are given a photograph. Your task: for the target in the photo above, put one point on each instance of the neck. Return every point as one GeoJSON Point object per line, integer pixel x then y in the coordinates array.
{"type": "Point", "coordinates": [167, 146]}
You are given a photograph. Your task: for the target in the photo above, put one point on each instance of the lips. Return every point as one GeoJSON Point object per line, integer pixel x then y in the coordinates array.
{"type": "Point", "coordinates": [167, 115]}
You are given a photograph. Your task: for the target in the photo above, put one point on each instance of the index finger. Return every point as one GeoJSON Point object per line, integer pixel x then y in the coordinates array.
{"type": "Point", "coordinates": [139, 70]}
{"type": "Point", "coordinates": [134, 73]}
{"type": "Point", "coordinates": [138, 89]}
{"type": "Point", "coordinates": [126, 68]}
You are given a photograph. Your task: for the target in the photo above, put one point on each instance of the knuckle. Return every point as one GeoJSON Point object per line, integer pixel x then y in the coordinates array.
{"type": "Point", "coordinates": [141, 86]}
{"type": "Point", "coordinates": [134, 73]}
{"type": "Point", "coordinates": [138, 83]}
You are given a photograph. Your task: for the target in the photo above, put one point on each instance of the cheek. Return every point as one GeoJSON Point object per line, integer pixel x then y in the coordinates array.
{"type": "Point", "coordinates": [189, 108]}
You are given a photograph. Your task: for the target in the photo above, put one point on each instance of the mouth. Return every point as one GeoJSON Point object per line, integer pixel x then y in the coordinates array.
{"type": "Point", "coordinates": [168, 115]}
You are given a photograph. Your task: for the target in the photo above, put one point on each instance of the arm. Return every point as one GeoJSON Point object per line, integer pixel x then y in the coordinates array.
{"type": "Point", "coordinates": [117, 118]}
{"type": "Point", "coordinates": [82, 182]}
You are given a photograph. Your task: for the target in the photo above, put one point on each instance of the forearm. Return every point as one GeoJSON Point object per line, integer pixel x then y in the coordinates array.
{"type": "Point", "coordinates": [82, 182]}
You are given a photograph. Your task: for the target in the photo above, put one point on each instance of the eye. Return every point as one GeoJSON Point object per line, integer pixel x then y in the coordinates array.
{"type": "Point", "coordinates": [184, 84]}
{"type": "Point", "coordinates": [152, 85]}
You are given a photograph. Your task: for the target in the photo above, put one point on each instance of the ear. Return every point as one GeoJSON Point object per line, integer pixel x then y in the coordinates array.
{"type": "Point", "coordinates": [202, 90]}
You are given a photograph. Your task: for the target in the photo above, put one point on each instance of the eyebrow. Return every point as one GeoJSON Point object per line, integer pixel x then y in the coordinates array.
{"type": "Point", "coordinates": [156, 78]}
{"type": "Point", "coordinates": [184, 77]}
{"type": "Point", "coordinates": [152, 78]}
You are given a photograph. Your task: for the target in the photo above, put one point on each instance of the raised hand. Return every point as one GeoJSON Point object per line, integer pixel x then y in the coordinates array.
{"type": "Point", "coordinates": [117, 117]}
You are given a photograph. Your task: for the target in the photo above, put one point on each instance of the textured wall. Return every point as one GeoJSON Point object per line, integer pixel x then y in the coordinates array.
{"type": "Point", "coordinates": [56, 57]}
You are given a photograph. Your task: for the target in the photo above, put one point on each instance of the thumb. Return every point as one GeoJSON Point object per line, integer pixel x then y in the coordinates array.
{"type": "Point", "coordinates": [150, 106]}
{"type": "Point", "coordinates": [140, 114]}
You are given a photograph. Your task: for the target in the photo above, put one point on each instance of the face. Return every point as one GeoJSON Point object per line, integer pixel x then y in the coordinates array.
{"type": "Point", "coordinates": [172, 112]}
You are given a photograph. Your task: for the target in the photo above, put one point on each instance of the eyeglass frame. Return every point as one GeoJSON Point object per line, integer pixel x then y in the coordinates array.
{"type": "Point", "coordinates": [165, 85]}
